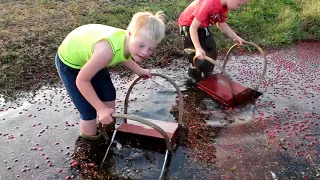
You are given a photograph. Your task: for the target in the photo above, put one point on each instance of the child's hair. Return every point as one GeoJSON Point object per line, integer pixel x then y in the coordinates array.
{"type": "Point", "coordinates": [148, 24]}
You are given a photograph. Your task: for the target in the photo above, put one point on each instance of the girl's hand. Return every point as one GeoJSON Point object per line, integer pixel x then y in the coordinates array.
{"type": "Point", "coordinates": [104, 115]}
{"type": "Point", "coordinates": [200, 54]}
{"type": "Point", "coordinates": [239, 40]}
{"type": "Point", "coordinates": [144, 73]}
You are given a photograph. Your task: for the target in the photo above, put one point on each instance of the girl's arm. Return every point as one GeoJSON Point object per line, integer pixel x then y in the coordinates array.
{"type": "Point", "coordinates": [100, 58]}
{"type": "Point", "coordinates": [200, 53]}
{"type": "Point", "coordinates": [132, 66]}
{"type": "Point", "coordinates": [224, 27]}
{"type": "Point", "coordinates": [136, 68]}
{"type": "Point", "coordinates": [194, 33]}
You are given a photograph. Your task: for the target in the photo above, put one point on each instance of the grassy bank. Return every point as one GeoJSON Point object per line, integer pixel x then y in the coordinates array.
{"type": "Point", "coordinates": [30, 31]}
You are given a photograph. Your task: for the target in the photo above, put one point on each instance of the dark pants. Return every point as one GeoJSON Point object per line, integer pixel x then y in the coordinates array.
{"type": "Point", "coordinates": [207, 43]}
{"type": "Point", "coordinates": [101, 83]}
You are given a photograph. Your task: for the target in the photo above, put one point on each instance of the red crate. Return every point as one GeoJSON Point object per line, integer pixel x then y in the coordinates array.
{"type": "Point", "coordinates": [137, 128]}
{"type": "Point", "coordinates": [218, 87]}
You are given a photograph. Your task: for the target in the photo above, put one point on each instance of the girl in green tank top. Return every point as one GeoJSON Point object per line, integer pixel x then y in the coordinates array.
{"type": "Point", "coordinates": [85, 53]}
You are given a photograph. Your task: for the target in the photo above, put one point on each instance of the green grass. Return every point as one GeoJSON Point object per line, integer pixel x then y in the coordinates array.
{"type": "Point", "coordinates": [30, 31]}
{"type": "Point", "coordinates": [276, 23]}
{"type": "Point", "coordinates": [310, 19]}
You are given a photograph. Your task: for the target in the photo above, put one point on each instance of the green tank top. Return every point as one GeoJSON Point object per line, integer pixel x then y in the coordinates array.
{"type": "Point", "coordinates": [77, 48]}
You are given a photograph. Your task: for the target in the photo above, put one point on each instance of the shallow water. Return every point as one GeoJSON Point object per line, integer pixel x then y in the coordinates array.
{"type": "Point", "coordinates": [275, 138]}
{"type": "Point", "coordinates": [281, 141]}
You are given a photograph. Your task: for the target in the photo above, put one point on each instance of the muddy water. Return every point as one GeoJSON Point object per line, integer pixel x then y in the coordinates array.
{"type": "Point", "coordinates": [275, 138]}
{"type": "Point", "coordinates": [281, 141]}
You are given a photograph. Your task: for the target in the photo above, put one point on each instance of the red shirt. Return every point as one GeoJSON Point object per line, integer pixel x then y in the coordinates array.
{"type": "Point", "coordinates": [208, 12]}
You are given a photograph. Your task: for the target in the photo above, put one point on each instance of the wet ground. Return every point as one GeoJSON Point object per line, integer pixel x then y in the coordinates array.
{"type": "Point", "coordinates": [274, 138]}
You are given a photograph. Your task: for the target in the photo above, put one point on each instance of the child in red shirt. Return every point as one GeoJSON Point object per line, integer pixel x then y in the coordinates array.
{"type": "Point", "coordinates": [194, 24]}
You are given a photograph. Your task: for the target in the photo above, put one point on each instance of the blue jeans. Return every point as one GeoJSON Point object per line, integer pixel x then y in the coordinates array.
{"type": "Point", "coordinates": [101, 83]}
